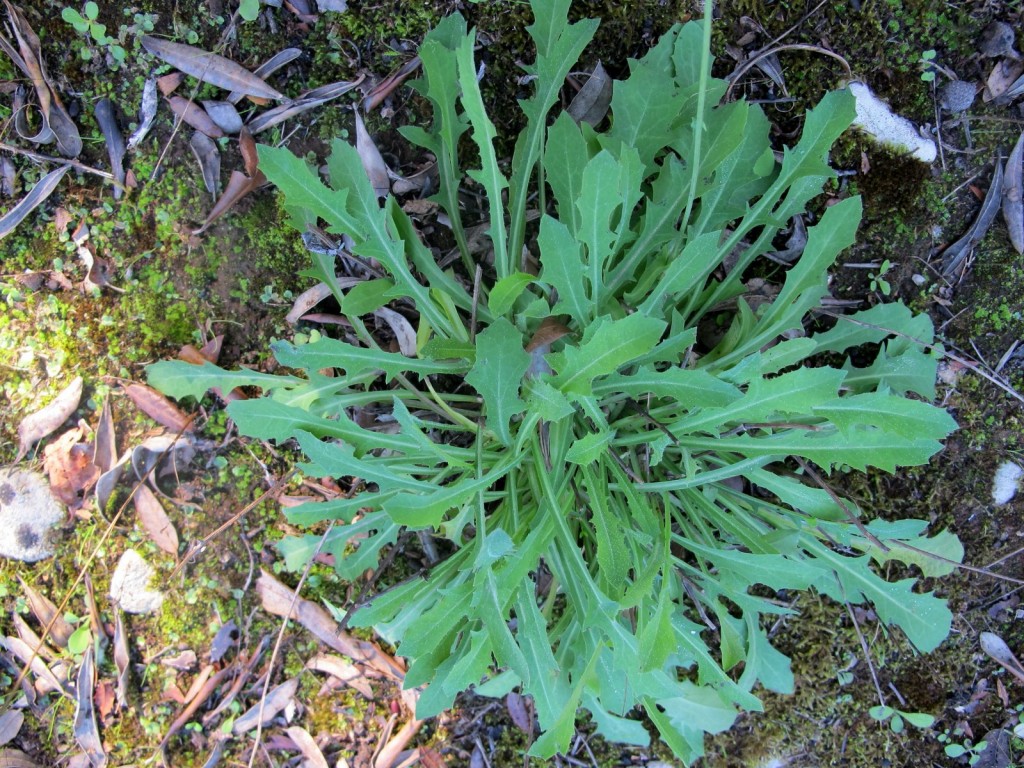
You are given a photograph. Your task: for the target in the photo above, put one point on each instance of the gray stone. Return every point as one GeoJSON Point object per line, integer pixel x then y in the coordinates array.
{"type": "Point", "coordinates": [129, 586]}
{"type": "Point", "coordinates": [29, 513]}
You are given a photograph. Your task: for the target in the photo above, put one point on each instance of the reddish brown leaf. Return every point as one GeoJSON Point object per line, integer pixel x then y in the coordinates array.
{"type": "Point", "coordinates": [69, 464]}
{"type": "Point", "coordinates": [250, 157]}
{"type": "Point", "coordinates": [154, 520]}
{"type": "Point", "coordinates": [239, 185]}
{"type": "Point", "coordinates": [389, 84]}
{"type": "Point", "coordinates": [46, 420]}
{"type": "Point", "coordinates": [194, 115]}
{"type": "Point", "coordinates": [157, 407]}
{"type": "Point", "coordinates": [168, 84]}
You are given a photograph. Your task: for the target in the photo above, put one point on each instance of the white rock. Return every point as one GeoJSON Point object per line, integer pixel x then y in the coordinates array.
{"type": "Point", "coordinates": [129, 586]}
{"type": "Point", "coordinates": [876, 119]}
{"type": "Point", "coordinates": [1006, 482]}
{"type": "Point", "coordinates": [29, 513]}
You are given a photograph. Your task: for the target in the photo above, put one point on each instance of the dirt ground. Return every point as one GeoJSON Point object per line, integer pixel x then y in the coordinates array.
{"type": "Point", "coordinates": [157, 288]}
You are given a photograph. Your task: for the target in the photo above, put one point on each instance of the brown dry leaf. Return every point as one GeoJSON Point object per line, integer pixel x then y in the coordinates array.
{"type": "Point", "coordinates": [106, 698]}
{"type": "Point", "coordinates": [45, 611]}
{"type": "Point", "coordinates": [210, 68]}
{"type": "Point", "coordinates": [239, 185]}
{"type": "Point", "coordinates": [307, 101]}
{"type": "Point", "coordinates": [388, 755]}
{"type": "Point", "coordinates": [169, 83]}
{"type": "Point", "coordinates": [590, 105]}
{"type": "Point", "coordinates": [386, 86]}
{"type": "Point", "coordinates": [122, 659]}
{"type": "Point", "coordinates": [157, 407]}
{"type": "Point", "coordinates": [314, 757]}
{"type": "Point", "coordinates": [276, 700]}
{"type": "Point", "coordinates": [250, 155]}
{"type": "Point", "coordinates": [267, 68]}
{"type": "Point", "coordinates": [194, 115]}
{"type": "Point", "coordinates": [87, 733]}
{"type": "Point", "coordinates": [105, 440]}
{"type": "Point", "coordinates": [374, 165]}
{"type": "Point", "coordinates": [31, 639]}
{"type": "Point", "coordinates": [224, 114]}
{"type": "Point", "coordinates": [58, 124]}
{"type": "Point", "coordinates": [306, 300]}
{"type": "Point", "coordinates": [48, 419]}
{"type": "Point", "coordinates": [69, 464]}
{"type": "Point", "coordinates": [42, 190]}
{"type": "Point", "coordinates": [337, 667]}
{"type": "Point", "coordinates": [45, 678]}
{"type": "Point", "coordinates": [10, 724]}
{"type": "Point", "coordinates": [517, 710]}
{"type": "Point", "coordinates": [154, 520]}
{"type": "Point", "coordinates": [277, 598]}
{"type": "Point", "coordinates": [15, 758]}
{"type": "Point", "coordinates": [1001, 78]}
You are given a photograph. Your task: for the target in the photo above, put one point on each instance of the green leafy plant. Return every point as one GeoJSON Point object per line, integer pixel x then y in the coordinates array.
{"type": "Point", "coordinates": [613, 445]}
{"type": "Point", "coordinates": [897, 719]}
{"type": "Point", "coordinates": [878, 281]}
{"type": "Point", "coordinates": [88, 24]}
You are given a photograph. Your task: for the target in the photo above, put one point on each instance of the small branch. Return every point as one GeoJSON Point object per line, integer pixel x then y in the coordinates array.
{"type": "Point", "coordinates": [59, 161]}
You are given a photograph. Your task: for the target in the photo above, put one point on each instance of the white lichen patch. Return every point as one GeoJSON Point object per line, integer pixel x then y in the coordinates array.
{"type": "Point", "coordinates": [129, 586]}
{"type": "Point", "coordinates": [876, 119]}
{"type": "Point", "coordinates": [29, 513]}
{"type": "Point", "coordinates": [1006, 482]}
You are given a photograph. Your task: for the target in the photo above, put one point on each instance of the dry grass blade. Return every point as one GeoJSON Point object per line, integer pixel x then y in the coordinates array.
{"type": "Point", "coordinates": [86, 731]}
{"type": "Point", "coordinates": [107, 122]}
{"type": "Point", "coordinates": [1013, 195]}
{"type": "Point", "coordinates": [42, 190]}
{"type": "Point", "coordinates": [155, 521]}
{"type": "Point", "coordinates": [46, 614]}
{"type": "Point", "coordinates": [201, 697]}
{"type": "Point", "coordinates": [157, 407]}
{"type": "Point", "coordinates": [590, 105]}
{"type": "Point", "coordinates": [210, 68]}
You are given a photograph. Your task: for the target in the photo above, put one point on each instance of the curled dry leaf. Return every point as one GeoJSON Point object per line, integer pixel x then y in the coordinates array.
{"type": "Point", "coordinates": [208, 156]}
{"type": "Point", "coordinates": [58, 124]}
{"type": "Point", "coordinates": [1013, 195]}
{"type": "Point", "coordinates": [147, 113]}
{"type": "Point", "coordinates": [314, 757]}
{"type": "Point", "coordinates": [154, 519]}
{"type": "Point", "coordinates": [276, 700]}
{"type": "Point", "coordinates": [157, 407]}
{"type": "Point", "coordinates": [267, 68]}
{"type": "Point", "coordinates": [46, 612]}
{"type": "Point", "coordinates": [8, 176]}
{"type": "Point", "coordinates": [306, 300]}
{"type": "Point", "coordinates": [194, 115]}
{"type": "Point", "coordinates": [107, 121]}
{"type": "Point", "coordinates": [48, 419]}
{"type": "Point", "coordinates": [210, 68]}
{"type": "Point", "coordinates": [87, 733]}
{"type": "Point", "coordinates": [590, 105]}
{"type": "Point", "coordinates": [38, 194]}
{"type": "Point", "coordinates": [374, 165]}
{"type": "Point", "coordinates": [239, 185]}
{"type": "Point", "coordinates": [45, 679]}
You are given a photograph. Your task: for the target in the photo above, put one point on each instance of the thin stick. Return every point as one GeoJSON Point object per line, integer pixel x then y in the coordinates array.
{"type": "Point", "coordinates": [745, 66]}
{"type": "Point", "coordinates": [863, 644]}
{"type": "Point", "coordinates": [59, 160]}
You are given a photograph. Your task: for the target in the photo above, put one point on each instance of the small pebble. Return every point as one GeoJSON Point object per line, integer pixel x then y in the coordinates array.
{"type": "Point", "coordinates": [919, 279]}
{"type": "Point", "coordinates": [957, 96]}
{"type": "Point", "coordinates": [1006, 482]}
{"type": "Point", "coordinates": [997, 39]}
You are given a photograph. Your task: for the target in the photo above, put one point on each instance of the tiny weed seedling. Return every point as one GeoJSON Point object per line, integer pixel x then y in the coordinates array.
{"type": "Point", "coordinates": [87, 24]}
{"type": "Point", "coordinates": [878, 281]}
{"type": "Point", "coordinates": [613, 445]}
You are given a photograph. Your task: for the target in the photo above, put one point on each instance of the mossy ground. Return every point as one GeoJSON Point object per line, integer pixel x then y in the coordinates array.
{"type": "Point", "coordinates": [238, 279]}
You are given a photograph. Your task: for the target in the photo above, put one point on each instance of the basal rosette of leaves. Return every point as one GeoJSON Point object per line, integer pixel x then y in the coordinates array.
{"type": "Point", "coordinates": [610, 488]}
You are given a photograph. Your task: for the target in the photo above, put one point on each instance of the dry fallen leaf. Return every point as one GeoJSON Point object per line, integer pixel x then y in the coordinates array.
{"type": "Point", "coordinates": [48, 419]}
{"type": "Point", "coordinates": [194, 115]}
{"type": "Point", "coordinates": [122, 659]}
{"type": "Point", "coordinates": [42, 190]}
{"type": "Point", "coordinates": [276, 700]}
{"type": "Point", "coordinates": [208, 156]}
{"type": "Point", "coordinates": [224, 114]}
{"type": "Point", "coordinates": [105, 440]}
{"type": "Point", "coordinates": [267, 68]}
{"type": "Point", "coordinates": [46, 680]}
{"type": "Point", "coordinates": [343, 670]}
{"type": "Point", "coordinates": [157, 407]}
{"type": "Point", "coordinates": [10, 724]}
{"type": "Point", "coordinates": [210, 68]}
{"type": "Point", "coordinates": [314, 757]}
{"type": "Point", "coordinates": [69, 464]}
{"type": "Point", "coordinates": [405, 334]}
{"type": "Point", "coordinates": [590, 105]}
{"type": "Point", "coordinates": [31, 639]}
{"type": "Point", "coordinates": [15, 758]}
{"type": "Point", "coordinates": [107, 121]}
{"type": "Point", "coordinates": [387, 86]}
{"type": "Point", "coordinates": [86, 731]}
{"type": "Point", "coordinates": [154, 519]}
{"type": "Point", "coordinates": [374, 165]}
{"type": "Point", "coordinates": [46, 612]}
{"type": "Point", "coordinates": [1013, 195]}
{"type": "Point", "coordinates": [304, 103]}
